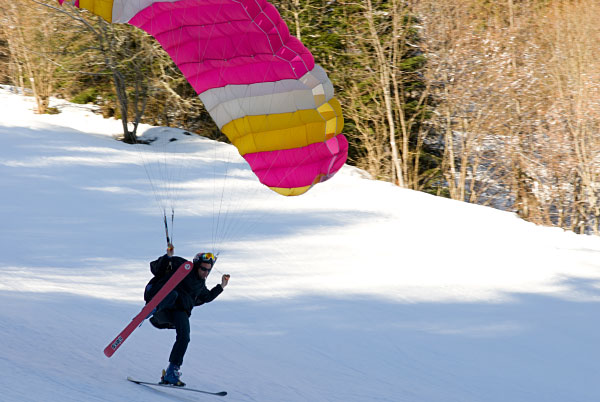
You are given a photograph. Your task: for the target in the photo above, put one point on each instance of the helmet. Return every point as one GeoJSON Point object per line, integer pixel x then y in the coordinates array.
{"type": "Point", "coordinates": [205, 257]}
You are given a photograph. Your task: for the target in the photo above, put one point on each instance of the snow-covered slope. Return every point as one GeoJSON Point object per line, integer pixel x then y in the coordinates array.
{"type": "Point", "coordinates": [356, 291]}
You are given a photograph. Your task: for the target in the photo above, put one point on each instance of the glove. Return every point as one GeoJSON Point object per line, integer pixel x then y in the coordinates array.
{"type": "Point", "coordinates": [225, 280]}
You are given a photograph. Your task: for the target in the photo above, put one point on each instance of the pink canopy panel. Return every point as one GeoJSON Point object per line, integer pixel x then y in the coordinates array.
{"type": "Point", "coordinates": [259, 83]}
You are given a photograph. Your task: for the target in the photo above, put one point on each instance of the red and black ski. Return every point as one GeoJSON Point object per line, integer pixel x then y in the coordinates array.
{"type": "Point", "coordinates": [177, 277]}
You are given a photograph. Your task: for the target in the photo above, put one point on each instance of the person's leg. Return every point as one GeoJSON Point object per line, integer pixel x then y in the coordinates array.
{"type": "Point", "coordinates": [182, 326]}
{"type": "Point", "coordinates": [160, 315]}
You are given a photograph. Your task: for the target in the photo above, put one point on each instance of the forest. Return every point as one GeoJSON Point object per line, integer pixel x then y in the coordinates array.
{"type": "Point", "coordinates": [491, 102]}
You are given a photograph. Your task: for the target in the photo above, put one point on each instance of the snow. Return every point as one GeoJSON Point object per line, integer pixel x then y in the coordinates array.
{"type": "Point", "coordinates": [355, 291]}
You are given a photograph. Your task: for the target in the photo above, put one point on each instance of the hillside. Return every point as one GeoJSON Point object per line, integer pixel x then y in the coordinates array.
{"type": "Point", "coordinates": [356, 291]}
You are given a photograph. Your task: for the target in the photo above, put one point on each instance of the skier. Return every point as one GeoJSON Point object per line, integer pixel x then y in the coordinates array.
{"type": "Point", "coordinates": [176, 308]}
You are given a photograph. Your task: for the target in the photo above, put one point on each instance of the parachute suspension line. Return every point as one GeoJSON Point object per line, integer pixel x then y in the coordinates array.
{"type": "Point", "coordinates": [239, 227]}
{"type": "Point", "coordinates": [169, 238]}
{"type": "Point", "coordinates": [214, 183]}
{"type": "Point", "coordinates": [216, 226]}
{"type": "Point", "coordinates": [227, 228]}
{"type": "Point", "coordinates": [167, 229]}
{"type": "Point", "coordinates": [216, 216]}
{"type": "Point", "coordinates": [221, 212]}
{"type": "Point", "coordinates": [160, 201]}
{"type": "Point", "coordinates": [146, 165]}
{"type": "Point", "coordinates": [224, 195]}
{"type": "Point", "coordinates": [249, 224]}
{"type": "Point", "coordinates": [235, 204]}
{"type": "Point", "coordinates": [236, 226]}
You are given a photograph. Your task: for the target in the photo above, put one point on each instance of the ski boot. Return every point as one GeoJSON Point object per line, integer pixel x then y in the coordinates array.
{"type": "Point", "coordinates": [160, 320]}
{"type": "Point", "coordinates": [171, 376]}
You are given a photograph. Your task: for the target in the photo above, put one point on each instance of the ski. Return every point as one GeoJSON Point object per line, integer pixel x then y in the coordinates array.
{"type": "Point", "coordinates": [156, 384]}
{"type": "Point", "coordinates": [177, 277]}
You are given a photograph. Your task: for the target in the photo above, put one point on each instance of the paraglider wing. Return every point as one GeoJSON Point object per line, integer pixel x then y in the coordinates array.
{"type": "Point", "coordinates": [260, 84]}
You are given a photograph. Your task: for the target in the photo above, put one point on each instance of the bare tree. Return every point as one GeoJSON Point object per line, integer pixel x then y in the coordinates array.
{"type": "Point", "coordinates": [295, 9]}
{"type": "Point", "coordinates": [571, 38]}
{"type": "Point", "coordinates": [467, 71]}
{"type": "Point", "coordinates": [516, 86]}
{"type": "Point", "coordinates": [388, 102]}
{"type": "Point", "coordinates": [108, 50]}
{"type": "Point", "coordinates": [29, 33]}
{"type": "Point", "coordinates": [4, 58]}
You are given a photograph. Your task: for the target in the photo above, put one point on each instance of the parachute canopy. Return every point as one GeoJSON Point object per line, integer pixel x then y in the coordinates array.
{"type": "Point", "coordinates": [260, 84]}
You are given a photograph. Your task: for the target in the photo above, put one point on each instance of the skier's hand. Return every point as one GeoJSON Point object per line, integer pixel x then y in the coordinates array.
{"type": "Point", "coordinates": [170, 250]}
{"type": "Point", "coordinates": [225, 280]}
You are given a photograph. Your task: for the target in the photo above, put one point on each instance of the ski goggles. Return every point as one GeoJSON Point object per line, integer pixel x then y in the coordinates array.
{"type": "Point", "coordinates": [205, 257]}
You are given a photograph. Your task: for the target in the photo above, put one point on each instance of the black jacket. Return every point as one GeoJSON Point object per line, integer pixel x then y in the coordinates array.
{"type": "Point", "coordinates": [192, 290]}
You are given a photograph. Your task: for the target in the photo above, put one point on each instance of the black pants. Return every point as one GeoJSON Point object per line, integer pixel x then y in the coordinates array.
{"type": "Point", "coordinates": [182, 327]}
{"type": "Point", "coordinates": [181, 321]}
